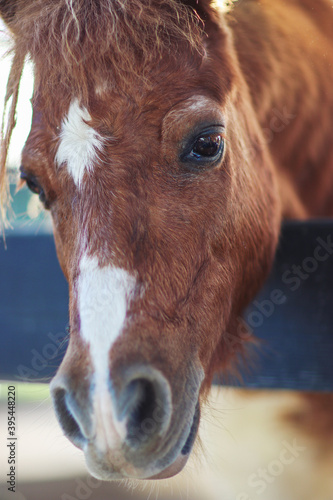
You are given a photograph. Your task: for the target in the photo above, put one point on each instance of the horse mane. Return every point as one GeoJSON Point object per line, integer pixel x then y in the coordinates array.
{"type": "Point", "coordinates": [7, 126]}
{"type": "Point", "coordinates": [77, 45]}
{"type": "Point", "coordinates": [120, 37]}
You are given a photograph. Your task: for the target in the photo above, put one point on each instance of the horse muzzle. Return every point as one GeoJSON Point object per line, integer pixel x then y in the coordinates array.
{"type": "Point", "coordinates": [135, 429]}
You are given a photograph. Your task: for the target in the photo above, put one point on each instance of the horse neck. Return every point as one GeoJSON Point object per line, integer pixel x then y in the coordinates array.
{"type": "Point", "coordinates": [271, 52]}
{"type": "Point", "coordinates": [287, 63]}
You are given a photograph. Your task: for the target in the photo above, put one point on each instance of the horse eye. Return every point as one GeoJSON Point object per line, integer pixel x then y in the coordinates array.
{"type": "Point", "coordinates": [206, 148]}
{"type": "Point", "coordinates": [33, 184]}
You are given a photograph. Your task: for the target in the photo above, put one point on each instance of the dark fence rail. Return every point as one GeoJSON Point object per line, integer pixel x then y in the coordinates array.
{"type": "Point", "coordinates": [292, 315]}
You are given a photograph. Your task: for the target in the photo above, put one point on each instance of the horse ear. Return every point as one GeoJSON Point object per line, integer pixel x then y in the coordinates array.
{"type": "Point", "coordinates": [8, 10]}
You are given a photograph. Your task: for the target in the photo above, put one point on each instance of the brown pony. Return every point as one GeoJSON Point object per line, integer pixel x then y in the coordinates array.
{"type": "Point", "coordinates": [168, 138]}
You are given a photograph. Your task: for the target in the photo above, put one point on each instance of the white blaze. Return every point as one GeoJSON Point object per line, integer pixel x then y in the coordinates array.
{"type": "Point", "coordinates": [79, 143]}
{"type": "Point", "coordinates": [104, 294]}
{"type": "Point", "coordinates": [103, 297]}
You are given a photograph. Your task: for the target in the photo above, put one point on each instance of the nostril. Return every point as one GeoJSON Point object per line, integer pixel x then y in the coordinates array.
{"type": "Point", "coordinates": [143, 402]}
{"type": "Point", "coordinates": [66, 419]}
{"type": "Point", "coordinates": [146, 405]}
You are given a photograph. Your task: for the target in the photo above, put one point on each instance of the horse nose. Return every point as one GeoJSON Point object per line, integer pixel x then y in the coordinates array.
{"type": "Point", "coordinates": [133, 409]}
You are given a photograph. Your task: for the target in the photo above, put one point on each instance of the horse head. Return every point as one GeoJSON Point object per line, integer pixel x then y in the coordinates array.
{"type": "Point", "coordinates": [146, 150]}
